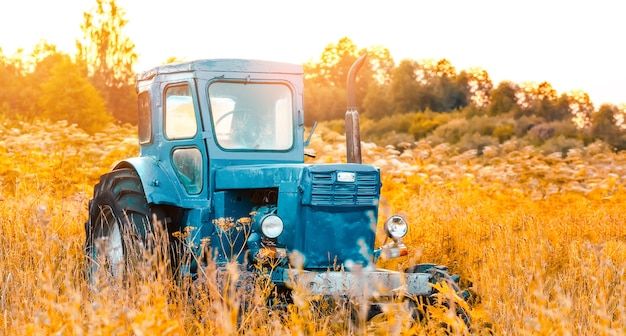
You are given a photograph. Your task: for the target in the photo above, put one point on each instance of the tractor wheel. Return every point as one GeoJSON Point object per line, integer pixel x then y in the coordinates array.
{"type": "Point", "coordinates": [120, 231]}
{"type": "Point", "coordinates": [382, 321]}
{"type": "Point", "coordinates": [438, 274]}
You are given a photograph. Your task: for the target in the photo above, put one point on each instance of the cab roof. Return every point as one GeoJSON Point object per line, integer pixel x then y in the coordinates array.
{"type": "Point", "coordinates": [223, 65]}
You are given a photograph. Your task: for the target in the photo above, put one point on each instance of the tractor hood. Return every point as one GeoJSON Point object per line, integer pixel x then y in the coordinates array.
{"type": "Point", "coordinates": [329, 211]}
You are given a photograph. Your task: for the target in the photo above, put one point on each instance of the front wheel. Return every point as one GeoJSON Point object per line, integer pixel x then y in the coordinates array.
{"type": "Point", "coordinates": [452, 297]}
{"type": "Point", "coordinates": [120, 229]}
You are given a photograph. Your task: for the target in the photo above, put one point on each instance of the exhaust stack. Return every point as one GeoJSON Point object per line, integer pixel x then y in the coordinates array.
{"type": "Point", "coordinates": [353, 129]}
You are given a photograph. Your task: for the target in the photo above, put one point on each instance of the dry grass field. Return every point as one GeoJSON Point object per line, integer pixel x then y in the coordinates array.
{"type": "Point", "coordinates": [540, 235]}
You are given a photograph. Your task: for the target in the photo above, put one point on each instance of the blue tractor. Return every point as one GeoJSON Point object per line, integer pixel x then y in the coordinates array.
{"type": "Point", "coordinates": [222, 160]}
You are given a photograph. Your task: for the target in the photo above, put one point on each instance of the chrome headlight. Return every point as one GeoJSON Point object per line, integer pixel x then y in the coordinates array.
{"type": "Point", "coordinates": [272, 226]}
{"type": "Point", "coordinates": [396, 227]}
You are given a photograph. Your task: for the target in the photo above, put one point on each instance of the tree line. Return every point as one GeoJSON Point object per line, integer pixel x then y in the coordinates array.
{"type": "Point", "coordinates": [403, 102]}
{"type": "Point", "coordinates": [431, 99]}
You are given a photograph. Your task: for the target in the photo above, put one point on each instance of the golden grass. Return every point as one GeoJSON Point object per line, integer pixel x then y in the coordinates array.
{"type": "Point", "coordinates": [541, 236]}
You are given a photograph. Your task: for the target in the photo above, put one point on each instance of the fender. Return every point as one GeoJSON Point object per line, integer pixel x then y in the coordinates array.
{"type": "Point", "coordinates": [156, 182]}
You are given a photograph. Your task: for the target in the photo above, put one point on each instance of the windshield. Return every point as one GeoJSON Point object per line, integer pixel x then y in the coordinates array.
{"type": "Point", "coordinates": [252, 116]}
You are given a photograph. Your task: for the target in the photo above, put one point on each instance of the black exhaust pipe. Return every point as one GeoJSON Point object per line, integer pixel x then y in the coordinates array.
{"type": "Point", "coordinates": [353, 129]}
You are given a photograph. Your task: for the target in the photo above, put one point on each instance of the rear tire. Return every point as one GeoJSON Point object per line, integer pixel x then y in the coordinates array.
{"type": "Point", "coordinates": [120, 229]}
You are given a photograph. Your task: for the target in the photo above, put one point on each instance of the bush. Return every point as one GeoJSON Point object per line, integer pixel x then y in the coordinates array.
{"type": "Point", "coordinates": [524, 124]}
{"type": "Point", "coordinates": [561, 144]}
{"type": "Point", "coordinates": [476, 141]}
{"type": "Point", "coordinates": [394, 139]}
{"type": "Point", "coordinates": [542, 132]}
{"type": "Point", "coordinates": [504, 132]}
{"type": "Point", "coordinates": [424, 123]}
{"type": "Point", "coordinates": [452, 131]}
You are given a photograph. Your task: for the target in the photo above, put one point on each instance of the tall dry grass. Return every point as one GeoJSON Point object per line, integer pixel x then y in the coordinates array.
{"type": "Point", "coordinates": [540, 236]}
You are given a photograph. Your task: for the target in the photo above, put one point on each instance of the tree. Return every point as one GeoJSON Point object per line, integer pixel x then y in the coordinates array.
{"type": "Point", "coordinates": [106, 56]}
{"type": "Point", "coordinates": [404, 87]}
{"type": "Point", "coordinates": [562, 110]}
{"type": "Point", "coordinates": [375, 83]}
{"type": "Point", "coordinates": [67, 95]}
{"type": "Point", "coordinates": [377, 101]}
{"type": "Point", "coordinates": [541, 100]}
{"type": "Point", "coordinates": [604, 126]}
{"type": "Point", "coordinates": [432, 85]}
{"type": "Point", "coordinates": [441, 88]}
{"type": "Point", "coordinates": [504, 99]}
{"type": "Point", "coordinates": [480, 86]}
{"type": "Point", "coordinates": [425, 96]}
{"type": "Point", "coordinates": [581, 107]}
{"type": "Point", "coordinates": [333, 65]}
{"type": "Point", "coordinates": [451, 89]}
{"type": "Point", "coordinates": [325, 80]}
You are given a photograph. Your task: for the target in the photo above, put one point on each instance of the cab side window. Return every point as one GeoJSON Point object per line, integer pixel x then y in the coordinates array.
{"type": "Point", "coordinates": [180, 114]}
{"type": "Point", "coordinates": [145, 118]}
{"type": "Point", "coordinates": [188, 167]}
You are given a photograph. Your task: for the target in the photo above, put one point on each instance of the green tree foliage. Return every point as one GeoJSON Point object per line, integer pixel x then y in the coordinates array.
{"type": "Point", "coordinates": [541, 100]}
{"type": "Point", "coordinates": [107, 56]}
{"type": "Point", "coordinates": [376, 77]}
{"type": "Point", "coordinates": [67, 95]}
{"type": "Point", "coordinates": [406, 102]}
{"type": "Point", "coordinates": [431, 85]}
{"type": "Point", "coordinates": [333, 65]}
{"type": "Point", "coordinates": [423, 123]}
{"type": "Point", "coordinates": [562, 109]}
{"type": "Point", "coordinates": [325, 80]}
{"type": "Point", "coordinates": [604, 126]}
{"type": "Point", "coordinates": [377, 101]}
{"type": "Point", "coordinates": [451, 89]}
{"type": "Point", "coordinates": [504, 99]}
{"type": "Point", "coordinates": [405, 86]}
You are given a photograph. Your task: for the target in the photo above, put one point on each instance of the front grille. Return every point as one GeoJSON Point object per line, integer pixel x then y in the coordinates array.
{"type": "Point", "coordinates": [326, 190]}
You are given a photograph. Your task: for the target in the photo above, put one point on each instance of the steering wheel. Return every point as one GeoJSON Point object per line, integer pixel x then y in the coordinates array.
{"type": "Point", "coordinates": [244, 127]}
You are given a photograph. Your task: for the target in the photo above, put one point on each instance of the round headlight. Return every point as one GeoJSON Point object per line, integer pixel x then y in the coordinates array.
{"type": "Point", "coordinates": [396, 227]}
{"type": "Point", "coordinates": [272, 226]}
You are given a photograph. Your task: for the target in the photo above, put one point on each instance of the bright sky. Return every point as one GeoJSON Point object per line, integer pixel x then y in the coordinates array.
{"type": "Point", "coordinates": [574, 45]}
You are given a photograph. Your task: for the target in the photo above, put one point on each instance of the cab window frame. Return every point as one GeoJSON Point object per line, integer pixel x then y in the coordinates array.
{"type": "Point", "coordinates": [169, 131]}
{"type": "Point", "coordinates": [214, 117]}
{"type": "Point", "coordinates": [144, 118]}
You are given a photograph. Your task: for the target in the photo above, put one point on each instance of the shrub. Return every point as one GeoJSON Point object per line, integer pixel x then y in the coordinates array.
{"type": "Point", "coordinates": [524, 124]}
{"type": "Point", "coordinates": [476, 141]}
{"type": "Point", "coordinates": [424, 123]}
{"type": "Point", "coordinates": [561, 144]}
{"type": "Point", "coordinates": [452, 131]}
{"type": "Point", "coordinates": [504, 132]}
{"type": "Point", "coordinates": [540, 133]}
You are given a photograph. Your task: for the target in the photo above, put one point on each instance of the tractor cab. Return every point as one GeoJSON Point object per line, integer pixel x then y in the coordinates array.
{"type": "Point", "coordinates": [223, 140]}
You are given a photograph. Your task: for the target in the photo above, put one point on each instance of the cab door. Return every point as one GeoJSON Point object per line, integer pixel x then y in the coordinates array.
{"type": "Point", "coordinates": [183, 138]}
